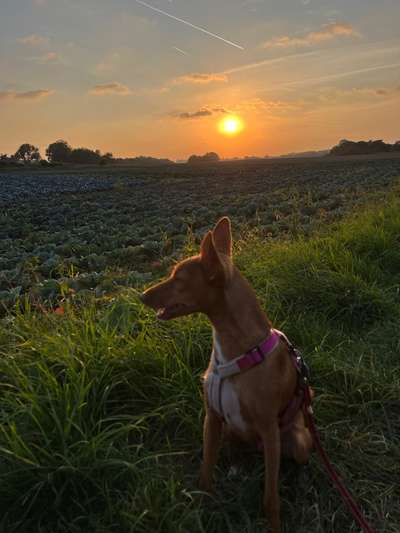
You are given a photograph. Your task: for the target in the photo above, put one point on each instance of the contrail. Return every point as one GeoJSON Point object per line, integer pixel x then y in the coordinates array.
{"type": "Point", "coordinates": [266, 62]}
{"type": "Point", "coordinates": [340, 75]}
{"type": "Point", "coordinates": [180, 50]}
{"type": "Point", "coordinates": [199, 28]}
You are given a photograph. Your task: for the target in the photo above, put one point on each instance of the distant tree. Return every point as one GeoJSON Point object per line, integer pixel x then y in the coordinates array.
{"type": "Point", "coordinates": [59, 152]}
{"type": "Point", "coordinates": [209, 157]}
{"type": "Point", "coordinates": [106, 158]}
{"type": "Point", "coordinates": [27, 153]}
{"type": "Point", "coordinates": [396, 146]}
{"type": "Point", "coordinates": [85, 156]}
{"type": "Point", "coordinates": [144, 161]}
{"type": "Point", "coordinates": [4, 159]}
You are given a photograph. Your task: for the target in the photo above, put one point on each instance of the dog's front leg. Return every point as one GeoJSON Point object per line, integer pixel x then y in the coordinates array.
{"type": "Point", "coordinates": [212, 432]}
{"type": "Point", "coordinates": [272, 456]}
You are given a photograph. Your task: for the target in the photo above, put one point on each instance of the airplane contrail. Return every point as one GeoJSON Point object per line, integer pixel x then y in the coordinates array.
{"type": "Point", "coordinates": [199, 28]}
{"type": "Point", "coordinates": [339, 75]}
{"type": "Point", "coordinates": [266, 62]}
{"type": "Point", "coordinates": [180, 50]}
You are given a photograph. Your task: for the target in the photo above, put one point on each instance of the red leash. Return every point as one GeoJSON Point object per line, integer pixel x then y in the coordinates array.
{"type": "Point", "coordinates": [344, 493]}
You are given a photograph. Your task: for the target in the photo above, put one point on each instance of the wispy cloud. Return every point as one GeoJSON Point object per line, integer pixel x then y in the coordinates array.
{"type": "Point", "coordinates": [201, 113]}
{"type": "Point", "coordinates": [50, 57]}
{"type": "Point", "coordinates": [28, 95]}
{"type": "Point", "coordinates": [110, 88]}
{"type": "Point", "coordinates": [34, 40]}
{"type": "Point", "coordinates": [327, 32]}
{"type": "Point", "coordinates": [187, 23]}
{"type": "Point", "coordinates": [201, 78]}
{"type": "Point", "coordinates": [271, 106]}
{"type": "Point", "coordinates": [354, 95]}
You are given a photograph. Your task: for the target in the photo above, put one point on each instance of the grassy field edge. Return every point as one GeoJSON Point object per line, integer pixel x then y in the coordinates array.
{"type": "Point", "coordinates": [101, 407]}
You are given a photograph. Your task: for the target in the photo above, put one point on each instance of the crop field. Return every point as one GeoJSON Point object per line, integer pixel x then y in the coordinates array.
{"type": "Point", "coordinates": [71, 231]}
{"type": "Point", "coordinates": [101, 407]}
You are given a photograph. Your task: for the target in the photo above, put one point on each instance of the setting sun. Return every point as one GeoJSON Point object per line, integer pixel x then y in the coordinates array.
{"type": "Point", "coordinates": [230, 125]}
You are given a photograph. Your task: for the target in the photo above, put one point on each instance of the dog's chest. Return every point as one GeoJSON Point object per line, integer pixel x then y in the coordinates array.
{"type": "Point", "coordinates": [222, 395]}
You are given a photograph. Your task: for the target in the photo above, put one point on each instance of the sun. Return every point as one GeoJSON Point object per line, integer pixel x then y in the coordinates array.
{"type": "Point", "coordinates": [230, 125]}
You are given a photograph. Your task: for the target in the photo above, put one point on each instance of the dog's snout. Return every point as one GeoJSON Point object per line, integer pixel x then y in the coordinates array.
{"type": "Point", "coordinates": [147, 297]}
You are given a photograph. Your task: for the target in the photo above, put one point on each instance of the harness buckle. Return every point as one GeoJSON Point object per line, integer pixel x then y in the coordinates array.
{"type": "Point", "coordinates": [303, 368]}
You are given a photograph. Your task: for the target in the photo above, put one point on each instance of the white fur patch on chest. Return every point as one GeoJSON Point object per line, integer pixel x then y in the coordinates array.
{"type": "Point", "coordinates": [226, 402]}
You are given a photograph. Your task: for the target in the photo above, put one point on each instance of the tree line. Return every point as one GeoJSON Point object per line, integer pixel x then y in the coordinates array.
{"type": "Point", "coordinates": [346, 147]}
{"type": "Point", "coordinates": [58, 152]}
{"type": "Point", "coordinates": [61, 152]}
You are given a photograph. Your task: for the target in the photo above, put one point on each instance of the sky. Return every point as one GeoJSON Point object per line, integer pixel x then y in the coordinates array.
{"type": "Point", "coordinates": [155, 77]}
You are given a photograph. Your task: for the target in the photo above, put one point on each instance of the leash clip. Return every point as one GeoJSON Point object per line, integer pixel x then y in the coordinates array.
{"type": "Point", "coordinates": [304, 371]}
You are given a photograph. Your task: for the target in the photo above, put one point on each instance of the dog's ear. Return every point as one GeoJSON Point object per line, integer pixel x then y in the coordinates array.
{"type": "Point", "coordinates": [222, 235]}
{"type": "Point", "coordinates": [211, 262]}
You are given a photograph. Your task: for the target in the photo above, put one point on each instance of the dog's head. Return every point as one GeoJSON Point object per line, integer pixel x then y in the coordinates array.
{"type": "Point", "coordinates": [197, 283]}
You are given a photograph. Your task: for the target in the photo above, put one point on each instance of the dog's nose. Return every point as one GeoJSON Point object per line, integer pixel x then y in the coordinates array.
{"type": "Point", "coordinates": [144, 297]}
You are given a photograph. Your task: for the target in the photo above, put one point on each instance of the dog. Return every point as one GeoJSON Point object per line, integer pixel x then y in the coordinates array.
{"type": "Point", "coordinates": [251, 386]}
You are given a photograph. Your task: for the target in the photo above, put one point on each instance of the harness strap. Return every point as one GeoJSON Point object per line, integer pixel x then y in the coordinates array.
{"type": "Point", "coordinates": [251, 358]}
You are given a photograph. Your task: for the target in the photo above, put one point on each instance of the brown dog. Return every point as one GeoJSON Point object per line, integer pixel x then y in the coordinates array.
{"type": "Point", "coordinates": [246, 392]}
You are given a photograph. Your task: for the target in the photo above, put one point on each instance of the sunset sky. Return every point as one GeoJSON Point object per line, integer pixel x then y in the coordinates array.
{"type": "Point", "coordinates": [127, 76]}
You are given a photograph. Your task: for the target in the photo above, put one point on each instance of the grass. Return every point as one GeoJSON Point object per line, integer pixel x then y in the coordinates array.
{"type": "Point", "coordinates": [101, 408]}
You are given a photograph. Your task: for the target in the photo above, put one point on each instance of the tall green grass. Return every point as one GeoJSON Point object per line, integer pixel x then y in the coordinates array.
{"type": "Point", "coordinates": [101, 408]}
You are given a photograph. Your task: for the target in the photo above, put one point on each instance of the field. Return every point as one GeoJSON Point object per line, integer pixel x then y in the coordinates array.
{"type": "Point", "coordinates": [103, 229]}
{"type": "Point", "coordinates": [101, 407]}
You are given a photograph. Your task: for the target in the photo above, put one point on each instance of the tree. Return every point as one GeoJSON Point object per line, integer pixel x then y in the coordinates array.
{"type": "Point", "coordinates": [85, 156]}
{"type": "Point", "coordinates": [27, 153]}
{"type": "Point", "coordinates": [106, 158]}
{"type": "Point", "coordinates": [346, 147]}
{"type": "Point", "coordinates": [209, 157]}
{"type": "Point", "coordinates": [59, 152]}
{"type": "Point", "coordinates": [396, 146]}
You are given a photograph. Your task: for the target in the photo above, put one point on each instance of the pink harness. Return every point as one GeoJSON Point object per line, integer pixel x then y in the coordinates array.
{"type": "Point", "coordinates": [252, 358]}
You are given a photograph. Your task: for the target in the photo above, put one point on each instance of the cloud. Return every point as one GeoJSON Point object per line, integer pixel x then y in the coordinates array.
{"type": "Point", "coordinates": [270, 106]}
{"type": "Point", "coordinates": [203, 112]}
{"type": "Point", "coordinates": [252, 105]}
{"type": "Point", "coordinates": [195, 114]}
{"type": "Point", "coordinates": [354, 95]}
{"type": "Point", "coordinates": [327, 32]}
{"type": "Point", "coordinates": [49, 57]}
{"type": "Point", "coordinates": [110, 88]}
{"type": "Point", "coordinates": [34, 40]}
{"type": "Point", "coordinates": [201, 78]}
{"type": "Point", "coordinates": [28, 95]}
